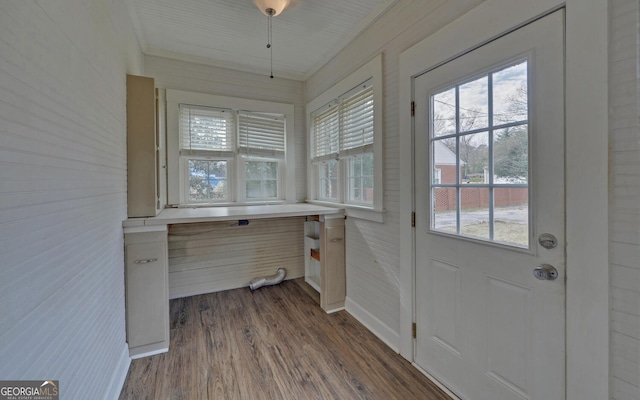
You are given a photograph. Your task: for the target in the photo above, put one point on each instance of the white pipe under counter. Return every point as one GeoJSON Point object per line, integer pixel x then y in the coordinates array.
{"type": "Point", "coordinates": [170, 216]}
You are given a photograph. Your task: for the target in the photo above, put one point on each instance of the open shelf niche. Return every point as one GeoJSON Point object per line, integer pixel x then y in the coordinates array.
{"type": "Point", "coordinates": [312, 252]}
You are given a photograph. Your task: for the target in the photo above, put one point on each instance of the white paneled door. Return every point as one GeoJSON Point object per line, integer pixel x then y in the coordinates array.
{"type": "Point", "coordinates": [490, 259]}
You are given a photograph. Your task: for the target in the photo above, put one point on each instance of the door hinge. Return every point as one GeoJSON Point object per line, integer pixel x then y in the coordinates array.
{"type": "Point", "coordinates": [413, 108]}
{"type": "Point", "coordinates": [413, 219]}
{"type": "Point", "coordinates": [414, 330]}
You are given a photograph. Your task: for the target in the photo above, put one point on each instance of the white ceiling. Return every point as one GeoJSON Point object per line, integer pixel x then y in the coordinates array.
{"type": "Point", "coordinates": [233, 33]}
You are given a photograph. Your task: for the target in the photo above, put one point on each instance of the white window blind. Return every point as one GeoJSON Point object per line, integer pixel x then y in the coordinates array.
{"type": "Point", "coordinates": [261, 134]}
{"type": "Point", "coordinates": [326, 133]}
{"type": "Point", "coordinates": [344, 127]}
{"type": "Point", "coordinates": [356, 122]}
{"type": "Point", "coordinates": [206, 129]}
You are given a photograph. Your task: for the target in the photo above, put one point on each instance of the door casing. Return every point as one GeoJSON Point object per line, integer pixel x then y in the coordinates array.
{"type": "Point", "coordinates": [587, 300]}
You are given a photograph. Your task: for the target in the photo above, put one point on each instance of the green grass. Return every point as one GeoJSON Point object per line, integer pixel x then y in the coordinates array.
{"type": "Point", "coordinates": [509, 232]}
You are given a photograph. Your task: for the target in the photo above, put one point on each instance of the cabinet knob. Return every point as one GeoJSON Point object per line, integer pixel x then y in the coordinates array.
{"type": "Point", "coordinates": [145, 261]}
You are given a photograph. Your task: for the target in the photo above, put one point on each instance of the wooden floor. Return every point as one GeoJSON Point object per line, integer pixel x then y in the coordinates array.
{"type": "Point", "coordinates": [274, 343]}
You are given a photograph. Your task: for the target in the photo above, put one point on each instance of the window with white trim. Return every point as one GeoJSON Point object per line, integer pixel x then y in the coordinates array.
{"type": "Point", "coordinates": [225, 155]}
{"type": "Point", "coordinates": [343, 130]}
{"type": "Point", "coordinates": [206, 149]}
{"type": "Point", "coordinates": [345, 164]}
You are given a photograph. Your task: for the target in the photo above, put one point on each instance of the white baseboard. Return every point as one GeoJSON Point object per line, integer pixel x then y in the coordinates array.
{"type": "Point", "coordinates": [377, 327]}
{"type": "Point", "coordinates": [148, 353]}
{"type": "Point", "coordinates": [437, 383]}
{"type": "Point", "coordinates": [119, 374]}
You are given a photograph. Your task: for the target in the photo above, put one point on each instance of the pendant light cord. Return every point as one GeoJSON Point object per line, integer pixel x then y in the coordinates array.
{"type": "Point", "coordinates": [270, 12]}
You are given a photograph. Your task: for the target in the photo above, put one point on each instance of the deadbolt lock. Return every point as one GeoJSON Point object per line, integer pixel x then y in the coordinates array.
{"type": "Point", "coordinates": [547, 240]}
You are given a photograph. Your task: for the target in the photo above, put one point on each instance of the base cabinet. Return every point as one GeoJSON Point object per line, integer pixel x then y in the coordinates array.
{"type": "Point", "coordinates": [325, 260]}
{"type": "Point", "coordinates": [147, 292]}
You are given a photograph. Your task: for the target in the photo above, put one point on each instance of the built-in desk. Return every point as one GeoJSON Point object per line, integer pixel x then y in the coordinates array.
{"type": "Point", "coordinates": [170, 216]}
{"type": "Point", "coordinates": [146, 263]}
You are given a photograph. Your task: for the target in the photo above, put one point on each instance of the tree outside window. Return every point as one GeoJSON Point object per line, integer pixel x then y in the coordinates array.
{"type": "Point", "coordinates": [207, 180]}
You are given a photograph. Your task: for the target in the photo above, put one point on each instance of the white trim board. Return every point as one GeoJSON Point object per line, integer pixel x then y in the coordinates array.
{"type": "Point", "coordinates": [383, 332]}
{"type": "Point", "coordinates": [587, 322]}
{"type": "Point", "coordinates": [119, 375]}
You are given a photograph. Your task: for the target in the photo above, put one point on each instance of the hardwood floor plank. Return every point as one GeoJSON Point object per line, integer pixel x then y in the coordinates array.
{"type": "Point", "coordinates": [273, 343]}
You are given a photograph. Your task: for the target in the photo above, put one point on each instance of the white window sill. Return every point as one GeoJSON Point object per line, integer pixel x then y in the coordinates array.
{"type": "Point", "coordinates": [228, 204]}
{"type": "Point", "coordinates": [353, 211]}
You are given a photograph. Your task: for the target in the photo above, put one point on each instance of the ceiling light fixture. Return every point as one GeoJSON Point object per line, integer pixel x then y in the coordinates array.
{"type": "Point", "coordinates": [271, 8]}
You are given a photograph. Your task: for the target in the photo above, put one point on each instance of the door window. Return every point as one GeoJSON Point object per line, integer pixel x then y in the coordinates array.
{"type": "Point", "coordinates": [479, 147]}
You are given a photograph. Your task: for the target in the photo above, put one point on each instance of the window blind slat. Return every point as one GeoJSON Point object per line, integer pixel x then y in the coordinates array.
{"type": "Point", "coordinates": [357, 123]}
{"type": "Point", "coordinates": [344, 127]}
{"type": "Point", "coordinates": [326, 131]}
{"type": "Point", "coordinates": [261, 134]}
{"type": "Point", "coordinates": [207, 129]}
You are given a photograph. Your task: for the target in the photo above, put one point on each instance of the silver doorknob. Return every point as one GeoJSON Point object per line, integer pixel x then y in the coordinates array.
{"type": "Point", "coordinates": [545, 272]}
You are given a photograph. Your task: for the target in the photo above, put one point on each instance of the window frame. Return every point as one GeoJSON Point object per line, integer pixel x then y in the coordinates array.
{"type": "Point", "coordinates": [241, 180]}
{"type": "Point", "coordinates": [371, 70]}
{"type": "Point", "coordinates": [337, 178]}
{"type": "Point", "coordinates": [176, 174]}
{"type": "Point", "coordinates": [349, 178]}
{"type": "Point", "coordinates": [437, 175]}
{"type": "Point", "coordinates": [184, 172]}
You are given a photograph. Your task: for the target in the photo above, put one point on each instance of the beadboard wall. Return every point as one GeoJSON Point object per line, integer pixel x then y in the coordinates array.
{"type": "Point", "coordinates": [624, 213]}
{"type": "Point", "coordinates": [214, 256]}
{"type": "Point", "coordinates": [182, 75]}
{"type": "Point", "coordinates": [63, 188]}
{"type": "Point", "coordinates": [373, 288]}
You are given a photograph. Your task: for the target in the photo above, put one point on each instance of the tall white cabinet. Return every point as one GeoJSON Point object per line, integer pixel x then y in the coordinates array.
{"type": "Point", "coordinates": [146, 150]}
{"type": "Point", "coordinates": [146, 257]}
{"type": "Point", "coordinates": [147, 290]}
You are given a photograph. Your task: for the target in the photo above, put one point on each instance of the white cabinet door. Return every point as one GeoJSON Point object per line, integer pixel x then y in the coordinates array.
{"type": "Point", "coordinates": [147, 298]}
{"type": "Point", "coordinates": [489, 151]}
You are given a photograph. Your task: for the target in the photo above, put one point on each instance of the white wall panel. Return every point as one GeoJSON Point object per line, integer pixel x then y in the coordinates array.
{"type": "Point", "coordinates": [63, 192]}
{"type": "Point", "coordinates": [372, 248]}
{"type": "Point", "coordinates": [624, 210]}
{"type": "Point", "coordinates": [214, 256]}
